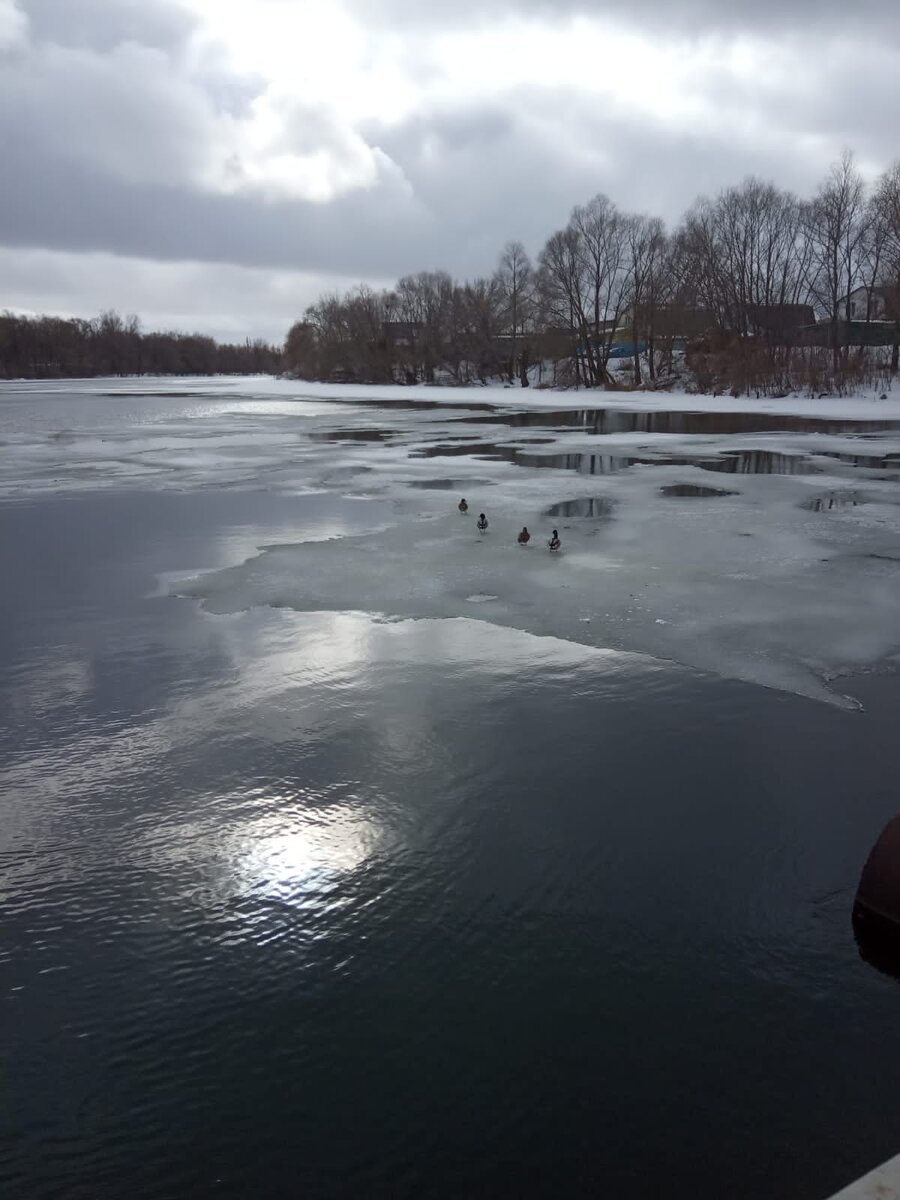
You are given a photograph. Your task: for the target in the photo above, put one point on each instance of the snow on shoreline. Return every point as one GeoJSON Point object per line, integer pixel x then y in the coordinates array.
{"type": "Point", "coordinates": [865, 406]}
{"type": "Point", "coordinates": [871, 405]}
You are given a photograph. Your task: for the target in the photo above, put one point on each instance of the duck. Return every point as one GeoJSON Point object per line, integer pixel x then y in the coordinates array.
{"type": "Point", "coordinates": [482, 522]}
{"type": "Point", "coordinates": [554, 542]}
{"type": "Point", "coordinates": [524, 536]}
{"type": "Point", "coordinates": [463, 507]}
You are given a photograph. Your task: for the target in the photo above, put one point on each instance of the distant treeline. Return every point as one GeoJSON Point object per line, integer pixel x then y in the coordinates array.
{"type": "Point", "coordinates": [762, 291]}
{"type": "Point", "coordinates": [71, 348]}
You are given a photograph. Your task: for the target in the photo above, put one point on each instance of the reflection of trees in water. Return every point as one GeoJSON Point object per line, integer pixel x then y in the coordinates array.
{"type": "Point", "coordinates": [603, 420]}
{"type": "Point", "coordinates": [584, 464]}
{"type": "Point", "coordinates": [583, 506]}
{"type": "Point", "coordinates": [747, 462]}
{"type": "Point", "coordinates": [833, 500]}
{"type": "Point", "coordinates": [761, 462]}
{"type": "Point", "coordinates": [739, 462]}
{"type": "Point", "coordinates": [351, 435]}
{"type": "Point", "coordinates": [729, 462]}
{"type": "Point", "coordinates": [865, 461]}
{"type": "Point", "coordinates": [447, 485]}
{"type": "Point", "coordinates": [694, 489]}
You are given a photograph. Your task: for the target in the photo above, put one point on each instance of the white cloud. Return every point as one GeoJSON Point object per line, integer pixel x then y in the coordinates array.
{"type": "Point", "coordinates": [287, 149]}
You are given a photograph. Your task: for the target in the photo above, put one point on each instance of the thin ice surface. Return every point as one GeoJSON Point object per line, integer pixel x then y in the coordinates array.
{"type": "Point", "coordinates": [691, 530]}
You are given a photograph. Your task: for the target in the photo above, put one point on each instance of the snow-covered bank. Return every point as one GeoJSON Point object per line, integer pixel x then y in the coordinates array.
{"type": "Point", "coordinates": [869, 405]}
{"type": "Point", "coordinates": [866, 405]}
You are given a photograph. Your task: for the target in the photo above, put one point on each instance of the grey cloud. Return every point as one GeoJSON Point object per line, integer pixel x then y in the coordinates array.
{"type": "Point", "coordinates": [863, 116]}
{"type": "Point", "coordinates": [72, 207]}
{"type": "Point", "coordinates": [452, 130]}
{"type": "Point", "coordinates": [466, 200]}
{"type": "Point", "coordinates": [845, 97]}
{"type": "Point", "coordinates": [104, 24]}
{"type": "Point", "coordinates": [309, 128]}
{"type": "Point", "coordinates": [525, 182]}
{"type": "Point", "coordinates": [127, 110]}
{"type": "Point", "coordinates": [487, 176]}
{"type": "Point", "coordinates": [121, 111]}
{"type": "Point", "coordinates": [465, 203]}
{"type": "Point", "coordinates": [226, 301]}
{"type": "Point", "coordinates": [650, 18]}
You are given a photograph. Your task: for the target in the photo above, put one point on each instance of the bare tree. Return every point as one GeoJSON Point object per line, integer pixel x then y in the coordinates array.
{"type": "Point", "coordinates": [744, 252]}
{"type": "Point", "coordinates": [301, 350]}
{"type": "Point", "coordinates": [58, 347]}
{"type": "Point", "coordinates": [645, 245]}
{"type": "Point", "coordinates": [739, 284]}
{"type": "Point", "coordinates": [604, 282]}
{"type": "Point", "coordinates": [485, 309]}
{"type": "Point", "coordinates": [425, 306]}
{"type": "Point", "coordinates": [884, 251]}
{"type": "Point", "coordinates": [515, 281]}
{"type": "Point", "coordinates": [560, 287]}
{"type": "Point", "coordinates": [835, 227]}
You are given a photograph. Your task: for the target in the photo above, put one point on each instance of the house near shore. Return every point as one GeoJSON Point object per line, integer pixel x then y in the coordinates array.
{"type": "Point", "coordinates": [868, 304]}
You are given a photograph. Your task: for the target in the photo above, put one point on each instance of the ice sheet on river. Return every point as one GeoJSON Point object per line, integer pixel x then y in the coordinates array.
{"type": "Point", "coordinates": [756, 539]}
{"type": "Point", "coordinates": [754, 567]}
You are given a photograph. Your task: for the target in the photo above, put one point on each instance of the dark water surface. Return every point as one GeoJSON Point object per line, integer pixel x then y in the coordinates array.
{"type": "Point", "coordinates": [319, 906]}
{"type": "Point", "coordinates": [601, 420]}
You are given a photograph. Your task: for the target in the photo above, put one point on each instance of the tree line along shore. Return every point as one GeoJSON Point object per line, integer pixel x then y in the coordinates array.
{"type": "Point", "coordinates": [45, 347]}
{"type": "Point", "coordinates": [755, 291]}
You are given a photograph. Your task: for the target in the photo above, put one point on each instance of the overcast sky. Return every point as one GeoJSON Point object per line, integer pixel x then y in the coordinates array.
{"type": "Point", "coordinates": [215, 164]}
